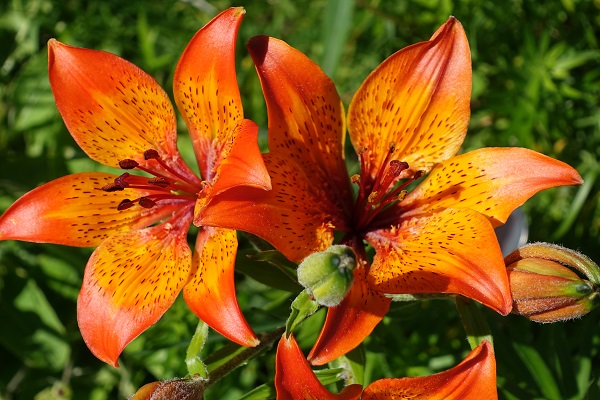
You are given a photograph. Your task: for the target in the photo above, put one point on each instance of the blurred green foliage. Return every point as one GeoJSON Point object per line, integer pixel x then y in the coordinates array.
{"type": "Point", "coordinates": [536, 84]}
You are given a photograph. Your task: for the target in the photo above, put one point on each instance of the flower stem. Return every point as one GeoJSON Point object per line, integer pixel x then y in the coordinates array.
{"type": "Point", "coordinates": [245, 354]}
{"type": "Point", "coordinates": [474, 322]}
{"type": "Point", "coordinates": [195, 366]}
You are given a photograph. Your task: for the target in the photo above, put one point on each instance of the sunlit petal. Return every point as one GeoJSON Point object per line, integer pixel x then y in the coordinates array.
{"type": "Point", "coordinates": [241, 165]}
{"type": "Point", "coordinates": [75, 211]}
{"type": "Point", "coordinates": [113, 109]}
{"type": "Point", "coordinates": [473, 379]}
{"type": "Point", "coordinates": [210, 292]}
{"type": "Point", "coordinates": [294, 379]}
{"type": "Point", "coordinates": [450, 251]}
{"type": "Point", "coordinates": [129, 282]}
{"type": "Point", "coordinates": [306, 117]}
{"type": "Point", "coordinates": [417, 99]}
{"type": "Point", "coordinates": [348, 324]}
{"type": "Point", "coordinates": [206, 90]}
{"type": "Point", "coordinates": [294, 216]}
{"type": "Point", "coordinates": [493, 181]}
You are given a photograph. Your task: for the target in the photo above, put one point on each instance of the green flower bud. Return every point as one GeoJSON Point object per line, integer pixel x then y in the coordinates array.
{"type": "Point", "coordinates": [327, 275]}
{"type": "Point", "coordinates": [545, 287]}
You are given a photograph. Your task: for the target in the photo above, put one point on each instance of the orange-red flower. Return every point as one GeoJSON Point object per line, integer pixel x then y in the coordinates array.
{"type": "Point", "coordinates": [121, 117]}
{"type": "Point", "coordinates": [409, 118]}
{"type": "Point", "coordinates": [473, 379]}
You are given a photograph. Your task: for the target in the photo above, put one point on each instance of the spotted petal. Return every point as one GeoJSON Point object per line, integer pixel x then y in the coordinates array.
{"type": "Point", "coordinates": [450, 251]}
{"type": "Point", "coordinates": [129, 282]}
{"type": "Point", "coordinates": [473, 379]}
{"type": "Point", "coordinates": [417, 99]}
{"type": "Point", "coordinates": [294, 379]}
{"type": "Point", "coordinates": [75, 211]}
{"type": "Point", "coordinates": [241, 165]}
{"type": "Point", "coordinates": [206, 90]}
{"type": "Point", "coordinates": [210, 292]}
{"type": "Point", "coordinates": [350, 322]}
{"type": "Point", "coordinates": [493, 181]}
{"type": "Point", "coordinates": [306, 117]}
{"type": "Point", "coordinates": [294, 216]}
{"type": "Point", "coordinates": [113, 109]}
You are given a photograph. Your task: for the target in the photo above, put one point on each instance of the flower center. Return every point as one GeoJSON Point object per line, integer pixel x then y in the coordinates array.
{"type": "Point", "coordinates": [166, 183]}
{"type": "Point", "coordinates": [389, 186]}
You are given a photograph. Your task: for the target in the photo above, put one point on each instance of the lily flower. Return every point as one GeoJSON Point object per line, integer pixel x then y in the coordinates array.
{"type": "Point", "coordinates": [407, 120]}
{"type": "Point", "coordinates": [122, 118]}
{"type": "Point", "coordinates": [473, 379]}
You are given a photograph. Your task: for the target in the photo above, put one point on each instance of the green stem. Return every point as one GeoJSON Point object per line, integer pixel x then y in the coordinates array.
{"type": "Point", "coordinates": [246, 354]}
{"type": "Point", "coordinates": [195, 366]}
{"type": "Point", "coordinates": [474, 322]}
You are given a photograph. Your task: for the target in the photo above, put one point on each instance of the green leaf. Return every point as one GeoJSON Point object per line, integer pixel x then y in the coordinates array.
{"type": "Point", "coordinates": [195, 366]}
{"type": "Point", "coordinates": [302, 307]}
{"type": "Point", "coordinates": [539, 370]}
{"type": "Point", "coordinates": [269, 267]}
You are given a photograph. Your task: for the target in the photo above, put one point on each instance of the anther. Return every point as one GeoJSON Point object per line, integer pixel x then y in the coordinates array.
{"type": "Point", "coordinates": [125, 204]}
{"type": "Point", "coordinates": [418, 174]}
{"type": "Point", "coordinates": [146, 202]}
{"type": "Point", "coordinates": [355, 178]}
{"type": "Point", "coordinates": [121, 180]}
{"type": "Point", "coordinates": [159, 181]}
{"type": "Point", "coordinates": [392, 147]}
{"type": "Point", "coordinates": [151, 154]}
{"type": "Point", "coordinates": [112, 187]}
{"type": "Point", "coordinates": [128, 164]}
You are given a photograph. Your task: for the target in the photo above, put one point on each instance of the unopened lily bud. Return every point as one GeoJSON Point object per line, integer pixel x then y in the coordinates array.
{"type": "Point", "coordinates": [180, 389]}
{"type": "Point", "coordinates": [545, 287]}
{"type": "Point", "coordinates": [327, 275]}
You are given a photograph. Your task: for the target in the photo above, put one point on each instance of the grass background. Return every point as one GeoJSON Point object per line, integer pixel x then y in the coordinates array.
{"type": "Point", "coordinates": [536, 71]}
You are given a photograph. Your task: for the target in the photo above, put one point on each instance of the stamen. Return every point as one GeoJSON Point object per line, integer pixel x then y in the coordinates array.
{"type": "Point", "coordinates": [151, 154]}
{"type": "Point", "coordinates": [159, 181]}
{"type": "Point", "coordinates": [112, 187]}
{"type": "Point", "coordinates": [125, 204]}
{"type": "Point", "coordinates": [121, 180]}
{"type": "Point", "coordinates": [392, 147]}
{"type": "Point", "coordinates": [128, 164]}
{"type": "Point", "coordinates": [355, 178]}
{"type": "Point", "coordinates": [146, 202]}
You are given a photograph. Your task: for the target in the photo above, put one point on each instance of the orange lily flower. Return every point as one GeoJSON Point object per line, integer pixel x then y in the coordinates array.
{"type": "Point", "coordinates": [121, 117]}
{"type": "Point", "coordinates": [473, 379]}
{"type": "Point", "coordinates": [409, 118]}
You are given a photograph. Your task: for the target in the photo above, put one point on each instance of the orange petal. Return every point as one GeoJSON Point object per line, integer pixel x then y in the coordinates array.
{"type": "Point", "coordinates": [129, 282]}
{"type": "Point", "coordinates": [349, 323]}
{"type": "Point", "coordinates": [417, 99]}
{"type": "Point", "coordinates": [493, 181]}
{"type": "Point", "coordinates": [294, 379]}
{"type": "Point", "coordinates": [473, 379]}
{"type": "Point", "coordinates": [75, 211]}
{"type": "Point", "coordinates": [210, 293]}
{"type": "Point", "coordinates": [242, 165]}
{"type": "Point", "coordinates": [206, 90]}
{"type": "Point", "coordinates": [306, 116]}
{"type": "Point", "coordinates": [450, 251]}
{"type": "Point", "coordinates": [113, 109]}
{"type": "Point", "coordinates": [294, 216]}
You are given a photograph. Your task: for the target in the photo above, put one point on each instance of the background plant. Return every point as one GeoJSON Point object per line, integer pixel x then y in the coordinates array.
{"type": "Point", "coordinates": [536, 84]}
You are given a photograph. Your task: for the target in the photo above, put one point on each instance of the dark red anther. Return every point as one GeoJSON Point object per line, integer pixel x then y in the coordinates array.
{"type": "Point", "coordinates": [121, 180]}
{"type": "Point", "coordinates": [151, 154]}
{"type": "Point", "coordinates": [159, 181]}
{"type": "Point", "coordinates": [125, 204]}
{"type": "Point", "coordinates": [128, 164]}
{"type": "Point", "coordinates": [418, 174]}
{"type": "Point", "coordinates": [146, 202]}
{"type": "Point", "coordinates": [112, 187]}
{"type": "Point", "coordinates": [396, 167]}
